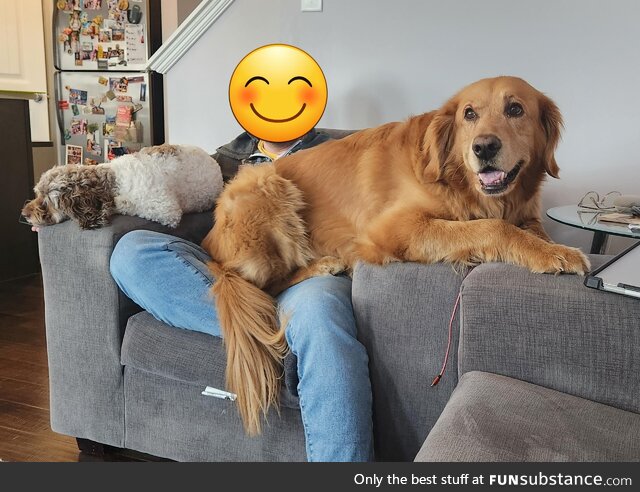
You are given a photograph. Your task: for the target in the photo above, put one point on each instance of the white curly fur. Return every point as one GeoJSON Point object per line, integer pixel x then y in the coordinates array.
{"type": "Point", "coordinates": [162, 186]}
{"type": "Point", "coordinates": [158, 183]}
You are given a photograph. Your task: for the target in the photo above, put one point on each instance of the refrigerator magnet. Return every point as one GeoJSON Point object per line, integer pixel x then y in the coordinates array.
{"type": "Point", "coordinates": [103, 80]}
{"type": "Point", "coordinates": [134, 15]}
{"type": "Point", "coordinates": [77, 96]}
{"type": "Point", "coordinates": [63, 105]}
{"type": "Point", "coordinates": [74, 108]}
{"type": "Point", "coordinates": [74, 21]}
{"type": "Point", "coordinates": [110, 95]}
{"type": "Point", "coordinates": [119, 85]}
{"type": "Point", "coordinates": [78, 127]}
{"type": "Point", "coordinates": [93, 4]}
{"type": "Point", "coordinates": [143, 92]}
{"type": "Point", "coordinates": [73, 154]}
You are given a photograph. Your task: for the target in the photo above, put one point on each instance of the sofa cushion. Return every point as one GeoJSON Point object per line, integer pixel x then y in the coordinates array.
{"type": "Point", "coordinates": [155, 347]}
{"type": "Point", "coordinates": [403, 312]}
{"type": "Point", "coordinates": [496, 418]}
{"type": "Point", "coordinates": [553, 331]}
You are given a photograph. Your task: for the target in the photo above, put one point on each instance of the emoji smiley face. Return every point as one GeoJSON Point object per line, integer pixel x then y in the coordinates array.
{"type": "Point", "coordinates": [278, 93]}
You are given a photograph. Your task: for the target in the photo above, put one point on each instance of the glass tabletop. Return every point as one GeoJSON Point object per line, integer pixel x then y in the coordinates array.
{"type": "Point", "coordinates": [588, 219]}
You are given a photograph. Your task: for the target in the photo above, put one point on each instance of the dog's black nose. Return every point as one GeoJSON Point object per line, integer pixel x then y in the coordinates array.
{"type": "Point", "coordinates": [486, 146]}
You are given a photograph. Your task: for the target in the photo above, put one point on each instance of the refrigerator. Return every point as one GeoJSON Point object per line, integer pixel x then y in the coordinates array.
{"type": "Point", "coordinates": [107, 105]}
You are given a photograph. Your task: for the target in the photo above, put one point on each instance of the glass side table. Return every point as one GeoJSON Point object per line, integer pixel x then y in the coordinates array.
{"type": "Point", "coordinates": [587, 219]}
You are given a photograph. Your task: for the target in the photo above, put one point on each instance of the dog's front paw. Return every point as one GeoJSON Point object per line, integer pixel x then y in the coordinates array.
{"type": "Point", "coordinates": [556, 258]}
{"type": "Point", "coordinates": [330, 265]}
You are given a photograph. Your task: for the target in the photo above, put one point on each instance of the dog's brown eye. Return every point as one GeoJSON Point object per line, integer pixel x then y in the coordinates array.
{"type": "Point", "coordinates": [514, 110]}
{"type": "Point", "coordinates": [470, 114]}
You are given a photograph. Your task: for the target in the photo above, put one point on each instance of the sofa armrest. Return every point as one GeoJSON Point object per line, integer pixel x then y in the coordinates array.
{"type": "Point", "coordinates": [85, 316]}
{"type": "Point", "coordinates": [552, 331]}
{"type": "Point", "coordinates": [403, 312]}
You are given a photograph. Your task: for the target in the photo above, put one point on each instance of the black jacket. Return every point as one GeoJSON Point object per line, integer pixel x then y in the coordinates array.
{"type": "Point", "coordinates": [244, 150]}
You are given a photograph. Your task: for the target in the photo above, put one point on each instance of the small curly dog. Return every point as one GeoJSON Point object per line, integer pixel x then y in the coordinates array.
{"type": "Point", "coordinates": [158, 183]}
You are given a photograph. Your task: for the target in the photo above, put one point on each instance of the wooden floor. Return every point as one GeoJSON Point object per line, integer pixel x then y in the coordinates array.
{"type": "Point", "coordinates": [25, 434]}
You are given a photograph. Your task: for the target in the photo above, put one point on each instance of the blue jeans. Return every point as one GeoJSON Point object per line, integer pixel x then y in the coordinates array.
{"type": "Point", "coordinates": [169, 278]}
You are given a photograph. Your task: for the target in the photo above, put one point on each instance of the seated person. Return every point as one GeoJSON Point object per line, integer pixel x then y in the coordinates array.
{"type": "Point", "coordinates": [334, 387]}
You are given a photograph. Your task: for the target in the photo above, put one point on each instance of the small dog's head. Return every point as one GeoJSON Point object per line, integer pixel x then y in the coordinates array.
{"type": "Point", "coordinates": [82, 193]}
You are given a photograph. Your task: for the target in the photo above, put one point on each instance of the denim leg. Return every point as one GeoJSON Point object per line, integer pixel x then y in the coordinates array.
{"type": "Point", "coordinates": [333, 372]}
{"type": "Point", "coordinates": [168, 277]}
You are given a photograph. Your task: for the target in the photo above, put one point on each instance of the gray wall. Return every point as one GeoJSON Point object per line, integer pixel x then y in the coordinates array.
{"type": "Point", "coordinates": [386, 60]}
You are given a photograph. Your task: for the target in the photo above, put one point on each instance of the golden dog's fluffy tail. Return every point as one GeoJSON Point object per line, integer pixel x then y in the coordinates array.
{"type": "Point", "coordinates": [258, 240]}
{"type": "Point", "coordinates": [254, 341]}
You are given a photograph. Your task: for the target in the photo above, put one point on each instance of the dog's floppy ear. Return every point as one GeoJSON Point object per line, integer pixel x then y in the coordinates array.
{"type": "Point", "coordinates": [54, 197]}
{"type": "Point", "coordinates": [88, 201]}
{"type": "Point", "coordinates": [551, 121]}
{"type": "Point", "coordinates": [438, 139]}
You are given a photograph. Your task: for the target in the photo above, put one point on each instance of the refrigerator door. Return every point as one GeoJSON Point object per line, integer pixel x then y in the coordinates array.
{"type": "Point", "coordinates": [102, 115]}
{"type": "Point", "coordinates": [104, 35]}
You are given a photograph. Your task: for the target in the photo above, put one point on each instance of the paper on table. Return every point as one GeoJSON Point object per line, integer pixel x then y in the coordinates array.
{"type": "Point", "coordinates": [619, 218]}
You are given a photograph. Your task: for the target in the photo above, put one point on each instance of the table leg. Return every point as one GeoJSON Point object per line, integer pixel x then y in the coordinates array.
{"type": "Point", "coordinates": [599, 242]}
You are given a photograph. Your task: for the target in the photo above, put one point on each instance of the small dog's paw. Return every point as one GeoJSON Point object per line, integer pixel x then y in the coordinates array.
{"type": "Point", "coordinates": [556, 258]}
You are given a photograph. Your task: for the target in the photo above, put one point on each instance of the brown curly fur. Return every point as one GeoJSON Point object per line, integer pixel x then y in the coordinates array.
{"type": "Point", "coordinates": [82, 193]}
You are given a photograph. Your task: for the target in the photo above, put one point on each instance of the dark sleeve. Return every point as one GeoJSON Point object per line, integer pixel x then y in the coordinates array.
{"type": "Point", "coordinates": [228, 165]}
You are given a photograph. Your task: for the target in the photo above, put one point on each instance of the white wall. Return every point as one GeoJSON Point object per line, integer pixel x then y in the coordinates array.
{"type": "Point", "coordinates": [385, 60]}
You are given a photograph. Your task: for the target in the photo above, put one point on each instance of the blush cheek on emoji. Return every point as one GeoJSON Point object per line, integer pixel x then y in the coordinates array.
{"type": "Point", "coordinates": [308, 96]}
{"type": "Point", "coordinates": [248, 95]}
{"type": "Point", "coordinates": [278, 93]}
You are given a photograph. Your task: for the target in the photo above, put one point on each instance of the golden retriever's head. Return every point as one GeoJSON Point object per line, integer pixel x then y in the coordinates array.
{"type": "Point", "coordinates": [501, 129]}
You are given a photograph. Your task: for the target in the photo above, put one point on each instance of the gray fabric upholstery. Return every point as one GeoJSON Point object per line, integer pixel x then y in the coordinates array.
{"type": "Point", "coordinates": [552, 331]}
{"type": "Point", "coordinates": [403, 312]}
{"type": "Point", "coordinates": [85, 316]}
{"type": "Point", "coordinates": [496, 418]}
{"type": "Point", "coordinates": [170, 418]}
{"type": "Point", "coordinates": [144, 392]}
{"type": "Point", "coordinates": [183, 355]}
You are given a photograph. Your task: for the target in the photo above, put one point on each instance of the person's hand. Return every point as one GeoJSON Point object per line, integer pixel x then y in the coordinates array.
{"type": "Point", "coordinates": [35, 229]}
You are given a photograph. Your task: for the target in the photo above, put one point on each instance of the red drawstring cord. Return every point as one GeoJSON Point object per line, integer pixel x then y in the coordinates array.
{"type": "Point", "coordinates": [437, 379]}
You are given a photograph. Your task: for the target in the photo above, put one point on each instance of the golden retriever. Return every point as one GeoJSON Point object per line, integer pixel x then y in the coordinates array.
{"type": "Point", "coordinates": [460, 185]}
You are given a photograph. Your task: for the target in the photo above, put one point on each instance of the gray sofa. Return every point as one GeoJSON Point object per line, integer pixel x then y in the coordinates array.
{"type": "Point", "coordinates": [568, 356]}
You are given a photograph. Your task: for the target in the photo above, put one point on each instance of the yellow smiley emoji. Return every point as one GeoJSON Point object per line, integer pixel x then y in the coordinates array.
{"type": "Point", "coordinates": [278, 93]}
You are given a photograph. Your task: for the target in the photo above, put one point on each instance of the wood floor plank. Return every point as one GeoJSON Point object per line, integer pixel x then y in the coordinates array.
{"type": "Point", "coordinates": [46, 446]}
{"type": "Point", "coordinates": [23, 371]}
{"type": "Point", "coordinates": [18, 329]}
{"type": "Point", "coordinates": [32, 394]}
{"type": "Point", "coordinates": [19, 351]}
{"type": "Point", "coordinates": [21, 417]}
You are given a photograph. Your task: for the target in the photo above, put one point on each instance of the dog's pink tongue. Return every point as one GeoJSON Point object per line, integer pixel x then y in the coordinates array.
{"type": "Point", "coordinates": [492, 177]}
